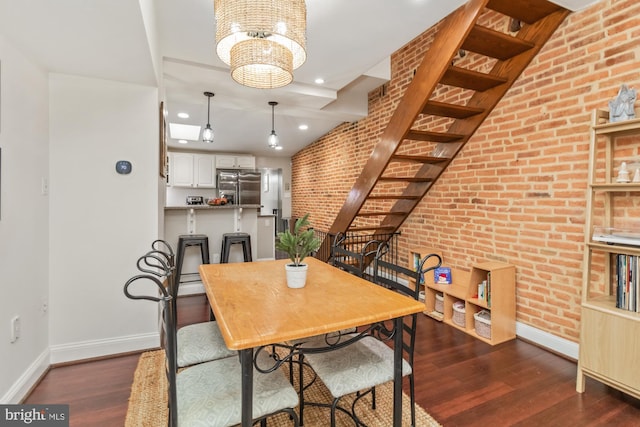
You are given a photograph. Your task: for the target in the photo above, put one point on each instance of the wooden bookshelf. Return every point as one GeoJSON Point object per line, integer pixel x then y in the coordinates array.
{"type": "Point", "coordinates": [609, 332]}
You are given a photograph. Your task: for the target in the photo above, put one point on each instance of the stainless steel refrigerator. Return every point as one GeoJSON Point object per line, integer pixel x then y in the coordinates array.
{"type": "Point", "coordinates": [239, 187]}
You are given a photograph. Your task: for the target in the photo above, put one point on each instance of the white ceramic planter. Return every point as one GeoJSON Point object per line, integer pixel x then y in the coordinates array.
{"type": "Point", "coordinates": [296, 275]}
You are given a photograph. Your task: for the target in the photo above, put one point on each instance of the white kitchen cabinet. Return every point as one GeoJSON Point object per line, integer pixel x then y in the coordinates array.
{"type": "Point", "coordinates": [192, 170]}
{"type": "Point", "coordinates": [181, 169]}
{"type": "Point", "coordinates": [235, 162]}
{"type": "Point", "coordinates": [204, 172]}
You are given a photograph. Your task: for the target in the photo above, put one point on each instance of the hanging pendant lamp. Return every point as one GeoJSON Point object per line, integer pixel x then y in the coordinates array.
{"type": "Point", "coordinates": [207, 133]}
{"type": "Point", "coordinates": [262, 41]}
{"type": "Point", "coordinates": [273, 137]}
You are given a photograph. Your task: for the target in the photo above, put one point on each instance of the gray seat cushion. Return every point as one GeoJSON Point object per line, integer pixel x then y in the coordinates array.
{"type": "Point", "coordinates": [359, 366]}
{"type": "Point", "coordinates": [201, 342]}
{"type": "Point", "coordinates": [209, 394]}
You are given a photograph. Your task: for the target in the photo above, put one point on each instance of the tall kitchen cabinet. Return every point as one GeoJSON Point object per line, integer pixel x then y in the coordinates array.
{"type": "Point", "coordinates": [610, 327]}
{"type": "Point", "coordinates": [192, 170]}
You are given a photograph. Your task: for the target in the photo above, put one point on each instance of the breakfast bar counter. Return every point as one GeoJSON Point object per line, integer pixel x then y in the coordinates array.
{"type": "Point", "coordinates": [208, 207]}
{"type": "Point", "coordinates": [214, 221]}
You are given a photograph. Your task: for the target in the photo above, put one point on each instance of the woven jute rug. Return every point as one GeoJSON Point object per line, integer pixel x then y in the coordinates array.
{"type": "Point", "coordinates": [148, 401]}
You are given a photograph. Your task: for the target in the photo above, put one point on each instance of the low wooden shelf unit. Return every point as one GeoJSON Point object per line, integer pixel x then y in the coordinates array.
{"type": "Point", "coordinates": [464, 288]}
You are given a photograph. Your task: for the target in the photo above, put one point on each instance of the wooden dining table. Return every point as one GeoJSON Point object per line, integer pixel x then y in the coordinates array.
{"type": "Point", "coordinates": [254, 307]}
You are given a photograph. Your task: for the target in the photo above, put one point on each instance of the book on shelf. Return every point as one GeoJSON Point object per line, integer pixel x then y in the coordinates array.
{"type": "Point", "coordinates": [442, 276]}
{"type": "Point", "coordinates": [484, 290]}
{"type": "Point", "coordinates": [627, 282]}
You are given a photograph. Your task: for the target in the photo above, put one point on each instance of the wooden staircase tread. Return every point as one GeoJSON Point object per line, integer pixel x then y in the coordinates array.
{"type": "Point", "coordinates": [419, 159]}
{"type": "Point", "coordinates": [495, 44]}
{"type": "Point", "coordinates": [424, 135]}
{"type": "Point", "coordinates": [393, 197]}
{"type": "Point", "coordinates": [469, 79]}
{"type": "Point", "coordinates": [362, 213]}
{"type": "Point", "coordinates": [371, 228]}
{"type": "Point", "coordinates": [404, 179]}
{"type": "Point", "coordinates": [454, 111]}
{"type": "Point", "coordinates": [529, 11]}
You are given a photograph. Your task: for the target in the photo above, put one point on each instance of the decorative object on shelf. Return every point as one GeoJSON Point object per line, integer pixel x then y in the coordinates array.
{"type": "Point", "coordinates": [442, 275]}
{"type": "Point", "coordinates": [262, 41]}
{"type": "Point", "coordinates": [636, 175]}
{"type": "Point", "coordinates": [273, 137]}
{"type": "Point", "coordinates": [298, 245]}
{"type": "Point", "coordinates": [207, 133]}
{"type": "Point", "coordinates": [623, 173]}
{"type": "Point", "coordinates": [621, 107]}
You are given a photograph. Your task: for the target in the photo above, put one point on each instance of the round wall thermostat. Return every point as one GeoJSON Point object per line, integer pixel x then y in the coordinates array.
{"type": "Point", "coordinates": [123, 167]}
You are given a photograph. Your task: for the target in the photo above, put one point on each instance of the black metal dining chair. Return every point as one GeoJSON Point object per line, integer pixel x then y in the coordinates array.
{"type": "Point", "coordinates": [348, 260]}
{"type": "Point", "coordinates": [198, 342]}
{"type": "Point", "coordinates": [209, 393]}
{"type": "Point", "coordinates": [369, 362]}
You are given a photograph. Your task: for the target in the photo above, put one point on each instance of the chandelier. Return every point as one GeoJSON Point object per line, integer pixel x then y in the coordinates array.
{"type": "Point", "coordinates": [262, 41]}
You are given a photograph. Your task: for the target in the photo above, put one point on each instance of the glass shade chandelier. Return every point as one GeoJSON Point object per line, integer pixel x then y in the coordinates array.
{"type": "Point", "coordinates": [207, 133]}
{"type": "Point", "coordinates": [273, 137]}
{"type": "Point", "coordinates": [262, 41]}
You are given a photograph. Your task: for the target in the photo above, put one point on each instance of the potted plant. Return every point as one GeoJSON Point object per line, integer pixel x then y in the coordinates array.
{"type": "Point", "coordinates": [298, 245]}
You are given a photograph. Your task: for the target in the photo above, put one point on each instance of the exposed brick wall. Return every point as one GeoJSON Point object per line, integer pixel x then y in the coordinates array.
{"type": "Point", "coordinates": [516, 192]}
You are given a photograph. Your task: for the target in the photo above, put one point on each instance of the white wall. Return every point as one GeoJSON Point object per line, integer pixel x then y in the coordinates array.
{"type": "Point", "coordinates": [23, 219]}
{"type": "Point", "coordinates": [100, 221]}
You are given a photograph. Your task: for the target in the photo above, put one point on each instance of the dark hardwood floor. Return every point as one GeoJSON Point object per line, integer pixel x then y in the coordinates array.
{"type": "Point", "coordinates": [460, 381]}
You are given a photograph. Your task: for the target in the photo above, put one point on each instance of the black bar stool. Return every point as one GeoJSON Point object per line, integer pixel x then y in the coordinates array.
{"type": "Point", "coordinates": [229, 239]}
{"type": "Point", "coordinates": [186, 240]}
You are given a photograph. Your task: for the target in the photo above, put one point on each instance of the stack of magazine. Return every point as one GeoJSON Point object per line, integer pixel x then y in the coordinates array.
{"type": "Point", "coordinates": [628, 282]}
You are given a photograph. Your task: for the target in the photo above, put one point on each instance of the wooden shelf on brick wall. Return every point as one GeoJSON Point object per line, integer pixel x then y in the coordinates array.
{"type": "Point", "coordinates": [439, 299]}
{"type": "Point", "coordinates": [610, 319]}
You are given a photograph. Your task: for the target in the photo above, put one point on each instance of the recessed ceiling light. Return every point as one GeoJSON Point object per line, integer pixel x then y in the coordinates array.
{"type": "Point", "coordinates": [182, 141]}
{"type": "Point", "coordinates": [319, 80]}
{"type": "Point", "coordinates": [303, 127]}
{"type": "Point", "coordinates": [183, 115]}
{"type": "Point", "coordinates": [279, 147]}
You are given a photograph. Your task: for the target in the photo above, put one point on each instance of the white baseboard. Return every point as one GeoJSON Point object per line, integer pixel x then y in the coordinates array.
{"type": "Point", "coordinates": [98, 348]}
{"type": "Point", "coordinates": [27, 380]}
{"type": "Point", "coordinates": [545, 339]}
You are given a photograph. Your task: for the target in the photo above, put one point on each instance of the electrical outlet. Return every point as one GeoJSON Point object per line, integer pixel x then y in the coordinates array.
{"type": "Point", "coordinates": [15, 328]}
{"type": "Point", "coordinates": [45, 305]}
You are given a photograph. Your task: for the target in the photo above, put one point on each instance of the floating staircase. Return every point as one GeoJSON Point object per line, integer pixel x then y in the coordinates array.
{"type": "Point", "coordinates": [464, 74]}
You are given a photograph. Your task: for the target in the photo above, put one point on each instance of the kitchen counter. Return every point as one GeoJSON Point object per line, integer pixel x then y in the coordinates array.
{"type": "Point", "coordinates": [214, 221]}
{"type": "Point", "coordinates": [227, 206]}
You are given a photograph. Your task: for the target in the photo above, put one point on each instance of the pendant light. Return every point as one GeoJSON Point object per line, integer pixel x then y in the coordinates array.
{"type": "Point", "coordinates": [273, 138]}
{"type": "Point", "coordinates": [207, 133]}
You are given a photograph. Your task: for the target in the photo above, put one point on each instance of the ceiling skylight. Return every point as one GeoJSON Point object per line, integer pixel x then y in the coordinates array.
{"type": "Point", "coordinates": [188, 132]}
